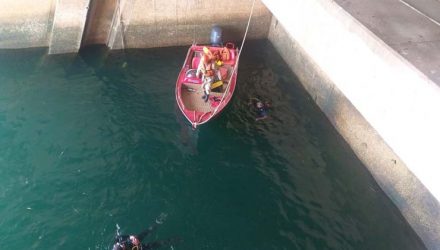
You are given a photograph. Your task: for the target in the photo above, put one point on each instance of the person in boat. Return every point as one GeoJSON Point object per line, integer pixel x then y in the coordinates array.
{"type": "Point", "coordinates": [209, 62]}
{"type": "Point", "coordinates": [206, 62]}
{"type": "Point", "coordinates": [217, 57]}
{"type": "Point", "coordinates": [261, 108]}
{"type": "Point", "coordinates": [208, 79]}
{"type": "Point", "coordinates": [207, 67]}
{"type": "Point", "coordinates": [134, 242]}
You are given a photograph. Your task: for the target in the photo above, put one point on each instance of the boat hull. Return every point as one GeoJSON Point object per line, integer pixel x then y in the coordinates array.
{"type": "Point", "coordinates": [189, 92]}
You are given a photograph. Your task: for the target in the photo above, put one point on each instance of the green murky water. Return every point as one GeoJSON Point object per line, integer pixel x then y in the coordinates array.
{"type": "Point", "coordinates": [95, 140]}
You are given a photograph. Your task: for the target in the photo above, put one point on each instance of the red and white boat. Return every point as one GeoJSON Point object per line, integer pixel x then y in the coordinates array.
{"type": "Point", "coordinates": [189, 92]}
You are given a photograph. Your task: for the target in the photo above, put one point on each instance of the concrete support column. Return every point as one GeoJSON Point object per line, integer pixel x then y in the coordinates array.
{"type": "Point", "coordinates": [99, 21]}
{"type": "Point", "coordinates": [68, 26]}
{"type": "Point", "coordinates": [120, 22]}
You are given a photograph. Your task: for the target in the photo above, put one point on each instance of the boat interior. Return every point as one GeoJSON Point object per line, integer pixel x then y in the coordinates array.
{"type": "Point", "coordinates": [192, 91]}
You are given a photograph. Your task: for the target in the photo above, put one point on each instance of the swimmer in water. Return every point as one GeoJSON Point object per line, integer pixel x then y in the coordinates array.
{"type": "Point", "coordinates": [134, 242]}
{"type": "Point", "coordinates": [261, 108]}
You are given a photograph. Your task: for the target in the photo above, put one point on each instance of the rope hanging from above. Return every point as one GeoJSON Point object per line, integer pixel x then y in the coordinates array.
{"type": "Point", "coordinates": [238, 57]}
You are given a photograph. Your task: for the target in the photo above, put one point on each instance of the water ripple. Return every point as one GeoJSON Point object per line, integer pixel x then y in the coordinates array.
{"type": "Point", "coordinates": [94, 140]}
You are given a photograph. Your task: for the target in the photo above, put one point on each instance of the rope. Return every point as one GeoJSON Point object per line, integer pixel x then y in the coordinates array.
{"type": "Point", "coordinates": [238, 58]}
{"type": "Point", "coordinates": [194, 29]}
{"type": "Point", "coordinates": [187, 23]}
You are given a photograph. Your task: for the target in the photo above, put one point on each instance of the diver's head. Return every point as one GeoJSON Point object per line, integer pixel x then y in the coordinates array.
{"type": "Point", "coordinates": [134, 240]}
{"type": "Point", "coordinates": [259, 104]}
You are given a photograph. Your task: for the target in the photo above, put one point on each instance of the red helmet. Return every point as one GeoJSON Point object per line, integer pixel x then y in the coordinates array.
{"type": "Point", "coordinates": [134, 240]}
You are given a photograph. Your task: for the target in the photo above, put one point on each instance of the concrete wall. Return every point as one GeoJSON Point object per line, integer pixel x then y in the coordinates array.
{"type": "Point", "coordinates": [44, 23]}
{"type": "Point", "coordinates": [60, 24]}
{"type": "Point", "coordinates": [156, 23]}
{"type": "Point", "coordinates": [25, 23]}
{"type": "Point", "coordinates": [384, 108]}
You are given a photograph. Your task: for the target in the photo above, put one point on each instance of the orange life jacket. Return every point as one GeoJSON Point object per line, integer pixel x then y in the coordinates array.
{"type": "Point", "coordinates": [209, 69]}
{"type": "Point", "coordinates": [216, 55]}
{"type": "Point", "coordinates": [225, 54]}
{"type": "Point", "coordinates": [209, 72]}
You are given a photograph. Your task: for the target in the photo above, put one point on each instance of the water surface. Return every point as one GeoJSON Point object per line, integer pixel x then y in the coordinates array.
{"type": "Point", "coordinates": [95, 140]}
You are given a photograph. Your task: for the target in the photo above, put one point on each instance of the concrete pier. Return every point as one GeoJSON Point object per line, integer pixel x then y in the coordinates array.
{"type": "Point", "coordinates": [385, 104]}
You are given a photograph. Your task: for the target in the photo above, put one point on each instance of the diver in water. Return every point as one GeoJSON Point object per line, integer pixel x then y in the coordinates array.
{"type": "Point", "coordinates": [261, 108]}
{"type": "Point", "coordinates": [134, 242]}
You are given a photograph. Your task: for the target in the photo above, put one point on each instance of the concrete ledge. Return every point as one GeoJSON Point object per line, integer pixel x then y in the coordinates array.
{"type": "Point", "coordinates": [383, 107]}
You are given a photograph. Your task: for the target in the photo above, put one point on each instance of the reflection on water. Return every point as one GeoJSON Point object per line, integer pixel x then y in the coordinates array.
{"type": "Point", "coordinates": [96, 139]}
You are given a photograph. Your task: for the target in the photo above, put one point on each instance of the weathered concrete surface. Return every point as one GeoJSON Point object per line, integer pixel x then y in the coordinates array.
{"type": "Point", "coordinates": [428, 8]}
{"type": "Point", "coordinates": [60, 24]}
{"type": "Point", "coordinates": [99, 22]}
{"type": "Point", "coordinates": [25, 23]}
{"type": "Point", "coordinates": [410, 27]}
{"type": "Point", "coordinates": [384, 107]}
{"type": "Point", "coordinates": [157, 23]}
{"type": "Point", "coordinates": [68, 26]}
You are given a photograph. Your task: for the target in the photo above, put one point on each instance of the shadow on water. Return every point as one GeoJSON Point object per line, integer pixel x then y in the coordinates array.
{"type": "Point", "coordinates": [96, 139]}
{"type": "Point", "coordinates": [188, 135]}
{"type": "Point", "coordinates": [317, 172]}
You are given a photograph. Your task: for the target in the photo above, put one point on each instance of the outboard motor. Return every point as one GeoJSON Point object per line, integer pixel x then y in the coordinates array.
{"type": "Point", "coordinates": [216, 36]}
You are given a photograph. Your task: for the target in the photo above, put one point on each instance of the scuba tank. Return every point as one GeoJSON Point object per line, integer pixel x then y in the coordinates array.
{"type": "Point", "coordinates": [216, 36]}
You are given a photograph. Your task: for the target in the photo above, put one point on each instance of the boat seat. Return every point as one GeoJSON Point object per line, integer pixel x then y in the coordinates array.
{"type": "Point", "coordinates": [190, 85]}
{"type": "Point", "coordinates": [195, 62]}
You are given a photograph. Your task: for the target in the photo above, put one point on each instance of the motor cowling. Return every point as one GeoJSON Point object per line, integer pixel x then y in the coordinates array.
{"type": "Point", "coordinates": [216, 36]}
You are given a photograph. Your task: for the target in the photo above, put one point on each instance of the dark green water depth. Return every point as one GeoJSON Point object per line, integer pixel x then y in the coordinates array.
{"type": "Point", "coordinates": [95, 140]}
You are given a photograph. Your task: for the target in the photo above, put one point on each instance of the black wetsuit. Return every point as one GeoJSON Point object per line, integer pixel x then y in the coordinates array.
{"type": "Point", "coordinates": [124, 242]}
{"type": "Point", "coordinates": [261, 108]}
{"type": "Point", "coordinates": [262, 112]}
